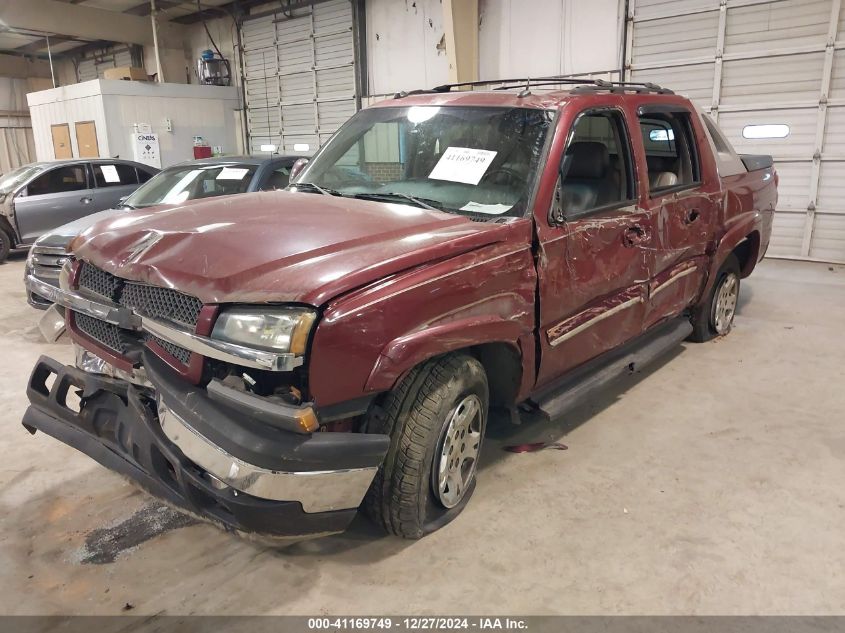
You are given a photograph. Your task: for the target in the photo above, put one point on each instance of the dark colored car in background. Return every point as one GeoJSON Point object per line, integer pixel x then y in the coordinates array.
{"type": "Point", "coordinates": [39, 197]}
{"type": "Point", "coordinates": [194, 180]}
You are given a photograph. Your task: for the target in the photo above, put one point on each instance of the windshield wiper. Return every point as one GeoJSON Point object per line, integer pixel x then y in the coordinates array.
{"type": "Point", "coordinates": [323, 190]}
{"type": "Point", "coordinates": [425, 203]}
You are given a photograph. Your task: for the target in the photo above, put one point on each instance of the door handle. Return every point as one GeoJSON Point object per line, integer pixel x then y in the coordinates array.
{"type": "Point", "coordinates": [691, 216]}
{"type": "Point", "coordinates": [635, 235]}
{"type": "Point", "coordinates": [86, 200]}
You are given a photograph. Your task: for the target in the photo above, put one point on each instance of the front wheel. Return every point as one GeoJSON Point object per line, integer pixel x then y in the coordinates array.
{"type": "Point", "coordinates": [5, 245]}
{"type": "Point", "coordinates": [715, 314]}
{"type": "Point", "coordinates": [436, 419]}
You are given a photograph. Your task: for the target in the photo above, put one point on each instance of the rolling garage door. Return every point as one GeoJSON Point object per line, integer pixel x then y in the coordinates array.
{"type": "Point", "coordinates": [773, 74]}
{"type": "Point", "coordinates": [299, 74]}
{"type": "Point", "coordinates": [94, 64]}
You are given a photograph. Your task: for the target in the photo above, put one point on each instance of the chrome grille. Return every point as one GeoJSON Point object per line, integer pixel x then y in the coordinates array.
{"type": "Point", "coordinates": [102, 332]}
{"type": "Point", "coordinates": [47, 261]}
{"type": "Point", "coordinates": [161, 303]}
{"type": "Point", "coordinates": [149, 301]}
{"type": "Point", "coordinates": [179, 353]}
{"type": "Point", "coordinates": [98, 281]}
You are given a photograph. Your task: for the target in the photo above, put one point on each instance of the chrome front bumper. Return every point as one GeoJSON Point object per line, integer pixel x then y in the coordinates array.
{"type": "Point", "coordinates": [317, 491]}
{"type": "Point", "coordinates": [200, 454]}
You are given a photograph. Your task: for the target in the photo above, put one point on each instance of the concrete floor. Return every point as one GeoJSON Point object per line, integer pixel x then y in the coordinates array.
{"type": "Point", "coordinates": [712, 484]}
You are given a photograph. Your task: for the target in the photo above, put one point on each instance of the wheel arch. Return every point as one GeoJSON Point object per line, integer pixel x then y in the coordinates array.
{"type": "Point", "coordinates": [748, 253]}
{"type": "Point", "coordinates": [493, 342]}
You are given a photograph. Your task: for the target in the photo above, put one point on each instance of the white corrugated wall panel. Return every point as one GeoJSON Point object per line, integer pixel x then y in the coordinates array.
{"type": "Point", "coordinates": [675, 38]}
{"type": "Point", "coordinates": [772, 71]}
{"type": "Point", "coordinates": [777, 25]}
{"type": "Point", "coordinates": [695, 81]}
{"type": "Point", "coordinates": [828, 237]}
{"type": "Point", "coordinates": [792, 188]}
{"type": "Point", "coordinates": [832, 187]}
{"type": "Point", "coordinates": [834, 139]}
{"type": "Point", "coordinates": [784, 79]}
{"type": "Point", "coordinates": [799, 144]}
{"type": "Point", "coordinates": [656, 8]}
{"type": "Point", "coordinates": [787, 234]}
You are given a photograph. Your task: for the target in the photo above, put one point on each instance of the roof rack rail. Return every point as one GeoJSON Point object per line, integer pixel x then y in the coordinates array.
{"type": "Point", "coordinates": [526, 83]}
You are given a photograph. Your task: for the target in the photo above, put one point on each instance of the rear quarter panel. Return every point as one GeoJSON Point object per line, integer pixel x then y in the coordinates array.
{"type": "Point", "coordinates": [368, 339]}
{"type": "Point", "coordinates": [747, 212]}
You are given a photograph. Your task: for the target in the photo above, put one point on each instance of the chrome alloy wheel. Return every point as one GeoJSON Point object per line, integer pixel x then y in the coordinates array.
{"type": "Point", "coordinates": [459, 448]}
{"type": "Point", "coordinates": [725, 306]}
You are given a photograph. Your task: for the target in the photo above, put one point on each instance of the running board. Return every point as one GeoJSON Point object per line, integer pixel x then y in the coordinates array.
{"type": "Point", "coordinates": [575, 388]}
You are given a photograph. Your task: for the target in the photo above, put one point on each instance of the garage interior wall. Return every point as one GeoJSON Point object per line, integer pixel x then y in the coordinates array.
{"type": "Point", "coordinates": [757, 62]}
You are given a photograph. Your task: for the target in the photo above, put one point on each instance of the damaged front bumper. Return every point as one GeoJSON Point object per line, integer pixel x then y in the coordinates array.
{"type": "Point", "coordinates": [206, 451]}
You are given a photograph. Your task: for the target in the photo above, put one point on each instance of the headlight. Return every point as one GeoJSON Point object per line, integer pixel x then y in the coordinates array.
{"type": "Point", "coordinates": [273, 329]}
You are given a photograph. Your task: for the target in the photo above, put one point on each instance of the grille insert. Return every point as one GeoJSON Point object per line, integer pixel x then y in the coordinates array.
{"type": "Point", "coordinates": [104, 333]}
{"type": "Point", "coordinates": [98, 281]}
{"type": "Point", "coordinates": [149, 301]}
{"type": "Point", "coordinates": [179, 353]}
{"type": "Point", "coordinates": [161, 303]}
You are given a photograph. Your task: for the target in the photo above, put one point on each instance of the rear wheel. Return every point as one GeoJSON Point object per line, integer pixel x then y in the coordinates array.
{"type": "Point", "coordinates": [5, 245]}
{"type": "Point", "coordinates": [436, 419]}
{"type": "Point", "coordinates": [714, 316]}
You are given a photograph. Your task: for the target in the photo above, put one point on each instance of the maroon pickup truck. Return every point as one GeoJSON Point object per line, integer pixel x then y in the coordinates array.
{"type": "Point", "coordinates": [274, 361]}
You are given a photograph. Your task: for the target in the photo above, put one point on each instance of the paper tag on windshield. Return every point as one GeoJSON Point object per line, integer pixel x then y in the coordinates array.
{"type": "Point", "coordinates": [232, 173]}
{"type": "Point", "coordinates": [489, 209]}
{"type": "Point", "coordinates": [110, 173]}
{"type": "Point", "coordinates": [463, 164]}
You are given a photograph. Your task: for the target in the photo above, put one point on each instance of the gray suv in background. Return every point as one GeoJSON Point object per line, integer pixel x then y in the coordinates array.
{"type": "Point", "coordinates": [39, 197]}
{"type": "Point", "coordinates": [193, 180]}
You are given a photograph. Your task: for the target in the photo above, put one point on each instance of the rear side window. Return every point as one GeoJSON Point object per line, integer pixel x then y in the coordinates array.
{"type": "Point", "coordinates": [671, 151]}
{"type": "Point", "coordinates": [59, 180]}
{"type": "Point", "coordinates": [115, 175]}
{"type": "Point", "coordinates": [143, 175]}
{"type": "Point", "coordinates": [596, 168]}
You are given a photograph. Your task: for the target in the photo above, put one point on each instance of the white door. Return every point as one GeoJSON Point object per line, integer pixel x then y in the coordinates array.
{"type": "Point", "coordinates": [763, 69]}
{"type": "Point", "coordinates": [299, 71]}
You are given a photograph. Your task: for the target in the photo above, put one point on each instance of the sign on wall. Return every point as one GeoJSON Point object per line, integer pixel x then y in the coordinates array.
{"type": "Point", "coordinates": [146, 150]}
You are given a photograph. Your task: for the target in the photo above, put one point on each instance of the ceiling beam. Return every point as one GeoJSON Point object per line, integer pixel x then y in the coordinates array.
{"type": "Point", "coordinates": [144, 8]}
{"type": "Point", "coordinates": [85, 23]}
{"type": "Point", "coordinates": [41, 44]}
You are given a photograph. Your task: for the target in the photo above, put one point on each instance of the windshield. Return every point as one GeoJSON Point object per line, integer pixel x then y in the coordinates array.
{"type": "Point", "coordinates": [477, 161]}
{"type": "Point", "coordinates": [10, 181]}
{"type": "Point", "coordinates": [191, 182]}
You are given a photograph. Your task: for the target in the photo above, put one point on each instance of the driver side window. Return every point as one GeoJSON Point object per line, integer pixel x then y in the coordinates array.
{"type": "Point", "coordinates": [596, 170]}
{"type": "Point", "coordinates": [59, 180]}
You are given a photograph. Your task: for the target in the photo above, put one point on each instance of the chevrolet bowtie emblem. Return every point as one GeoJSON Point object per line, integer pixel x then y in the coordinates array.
{"type": "Point", "coordinates": [142, 246]}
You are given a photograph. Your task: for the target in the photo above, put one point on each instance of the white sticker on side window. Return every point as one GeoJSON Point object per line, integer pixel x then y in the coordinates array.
{"type": "Point", "coordinates": [463, 164]}
{"type": "Point", "coordinates": [110, 173]}
{"type": "Point", "coordinates": [489, 209]}
{"type": "Point", "coordinates": [232, 173]}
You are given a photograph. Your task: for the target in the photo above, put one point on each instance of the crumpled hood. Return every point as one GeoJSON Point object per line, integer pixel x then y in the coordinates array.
{"type": "Point", "coordinates": [276, 246]}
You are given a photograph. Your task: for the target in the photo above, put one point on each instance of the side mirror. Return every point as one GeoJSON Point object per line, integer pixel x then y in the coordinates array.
{"type": "Point", "coordinates": [297, 167]}
{"type": "Point", "coordinates": [122, 199]}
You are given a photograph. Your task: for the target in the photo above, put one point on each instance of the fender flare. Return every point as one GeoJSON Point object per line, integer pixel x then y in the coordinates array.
{"type": "Point", "coordinates": [745, 226]}
{"type": "Point", "coordinates": [406, 352]}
